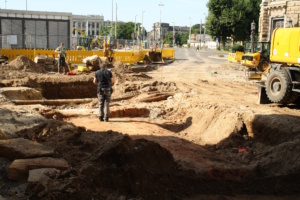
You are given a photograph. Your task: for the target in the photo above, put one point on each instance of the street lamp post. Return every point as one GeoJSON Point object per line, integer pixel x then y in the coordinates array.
{"type": "Point", "coordinates": [200, 32]}
{"type": "Point", "coordinates": [173, 35]}
{"type": "Point", "coordinates": [160, 28]}
{"type": "Point", "coordinates": [26, 4]}
{"type": "Point", "coordinates": [143, 25]}
{"type": "Point", "coordinates": [252, 35]}
{"type": "Point", "coordinates": [135, 27]}
{"type": "Point", "coordinates": [116, 20]}
{"type": "Point", "coordinates": [112, 15]}
{"type": "Point", "coordinates": [204, 31]}
{"type": "Point", "coordinates": [190, 31]}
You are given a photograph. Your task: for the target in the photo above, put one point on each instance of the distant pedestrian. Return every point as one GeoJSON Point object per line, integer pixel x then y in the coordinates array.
{"type": "Point", "coordinates": [62, 53]}
{"type": "Point", "coordinates": [104, 80]}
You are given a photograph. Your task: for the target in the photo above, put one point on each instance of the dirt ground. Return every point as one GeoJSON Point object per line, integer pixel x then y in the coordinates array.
{"type": "Point", "coordinates": [186, 130]}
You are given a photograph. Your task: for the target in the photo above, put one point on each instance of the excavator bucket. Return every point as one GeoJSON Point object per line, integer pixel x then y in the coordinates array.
{"type": "Point", "coordinates": [155, 57]}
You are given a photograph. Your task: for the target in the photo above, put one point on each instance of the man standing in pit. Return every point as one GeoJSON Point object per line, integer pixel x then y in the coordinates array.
{"type": "Point", "coordinates": [103, 78]}
{"type": "Point", "coordinates": [61, 50]}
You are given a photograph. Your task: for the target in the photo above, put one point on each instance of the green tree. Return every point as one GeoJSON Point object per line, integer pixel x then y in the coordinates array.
{"type": "Point", "coordinates": [177, 39]}
{"type": "Point", "coordinates": [124, 30]}
{"type": "Point", "coordinates": [231, 18]}
{"type": "Point", "coordinates": [196, 29]}
{"type": "Point", "coordinates": [184, 38]}
{"type": "Point", "coordinates": [104, 31]}
{"type": "Point", "coordinates": [168, 38]}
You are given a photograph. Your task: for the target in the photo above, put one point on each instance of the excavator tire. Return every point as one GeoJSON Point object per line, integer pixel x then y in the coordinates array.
{"type": "Point", "coordinates": [278, 88]}
{"type": "Point", "coordinates": [262, 66]}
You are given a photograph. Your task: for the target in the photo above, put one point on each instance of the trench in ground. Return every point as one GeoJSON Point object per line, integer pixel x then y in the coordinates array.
{"type": "Point", "coordinates": [214, 162]}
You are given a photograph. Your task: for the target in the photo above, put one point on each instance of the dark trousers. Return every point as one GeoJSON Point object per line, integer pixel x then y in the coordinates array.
{"type": "Point", "coordinates": [61, 63]}
{"type": "Point", "coordinates": [104, 95]}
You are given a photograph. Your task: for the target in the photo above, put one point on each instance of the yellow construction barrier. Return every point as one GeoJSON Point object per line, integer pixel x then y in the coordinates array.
{"type": "Point", "coordinates": [235, 57]}
{"type": "Point", "coordinates": [75, 57]}
{"type": "Point", "coordinates": [168, 54]}
{"type": "Point", "coordinates": [128, 57]}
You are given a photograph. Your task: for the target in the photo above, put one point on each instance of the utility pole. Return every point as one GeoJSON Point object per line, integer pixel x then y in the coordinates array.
{"type": "Point", "coordinates": [173, 35]}
{"type": "Point", "coordinates": [190, 31]}
{"type": "Point", "coordinates": [160, 28]}
{"type": "Point", "coordinates": [200, 32]}
{"type": "Point", "coordinates": [135, 27]}
{"type": "Point", "coordinates": [112, 16]}
{"type": "Point", "coordinates": [116, 20]}
{"type": "Point", "coordinates": [204, 30]}
{"type": "Point", "coordinates": [143, 25]}
{"type": "Point", "coordinates": [252, 36]}
{"type": "Point", "coordinates": [26, 4]}
{"type": "Point", "coordinates": [5, 3]}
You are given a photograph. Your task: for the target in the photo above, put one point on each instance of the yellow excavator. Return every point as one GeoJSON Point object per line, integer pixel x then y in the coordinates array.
{"type": "Point", "coordinates": [96, 44]}
{"type": "Point", "coordinates": [258, 61]}
{"type": "Point", "coordinates": [83, 40]}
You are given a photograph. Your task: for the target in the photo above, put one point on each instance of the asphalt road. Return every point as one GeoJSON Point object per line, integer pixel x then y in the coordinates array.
{"type": "Point", "coordinates": [201, 56]}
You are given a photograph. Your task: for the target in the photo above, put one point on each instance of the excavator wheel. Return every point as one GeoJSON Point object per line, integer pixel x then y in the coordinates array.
{"type": "Point", "coordinates": [278, 88]}
{"type": "Point", "coordinates": [262, 66]}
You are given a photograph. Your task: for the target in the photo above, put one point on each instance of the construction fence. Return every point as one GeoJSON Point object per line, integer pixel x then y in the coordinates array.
{"type": "Point", "coordinates": [75, 57]}
{"type": "Point", "coordinates": [127, 51]}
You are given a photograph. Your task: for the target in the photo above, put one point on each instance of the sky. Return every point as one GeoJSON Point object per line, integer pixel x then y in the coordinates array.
{"type": "Point", "coordinates": [181, 12]}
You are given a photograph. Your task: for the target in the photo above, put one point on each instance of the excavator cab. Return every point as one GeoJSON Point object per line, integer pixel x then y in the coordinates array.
{"type": "Point", "coordinates": [259, 59]}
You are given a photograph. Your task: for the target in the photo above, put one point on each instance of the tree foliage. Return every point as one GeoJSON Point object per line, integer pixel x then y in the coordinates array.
{"type": "Point", "coordinates": [184, 38]}
{"type": "Point", "coordinates": [196, 29]}
{"type": "Point", "coordinates": [124, 30]}
{"type": "Point", "coordinates": [168, 38]}
{"type": "Point", "coordinates": [232, 18]}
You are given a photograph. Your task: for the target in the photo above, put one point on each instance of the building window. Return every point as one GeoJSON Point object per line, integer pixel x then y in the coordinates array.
{"type": "Point", "coordinates": [276, 23]}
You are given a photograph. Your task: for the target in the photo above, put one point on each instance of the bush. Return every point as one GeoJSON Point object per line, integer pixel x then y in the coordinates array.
{"type": "Point", "coordinates": [237, 47]}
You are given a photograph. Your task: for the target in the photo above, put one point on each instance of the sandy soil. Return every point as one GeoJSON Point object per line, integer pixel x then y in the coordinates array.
{"type": "Point", "coordinates": [208, 139]}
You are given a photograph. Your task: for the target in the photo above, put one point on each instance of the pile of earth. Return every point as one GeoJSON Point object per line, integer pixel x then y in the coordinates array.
{"type": "Point", "coordinates": [126, 80]}
{"type": "Point", "coordinates": [123, 73]}
{"type": "Point", "coordinates": [25, 64]}
{"type": "Point", "coordinates": [109, 165]}
{"type": "Point", "coordinates": [19, 68]}
{"type": "Point", "coordinates": [106, 164]}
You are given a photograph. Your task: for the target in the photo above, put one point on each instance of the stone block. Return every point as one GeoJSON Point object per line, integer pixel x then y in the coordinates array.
{"type": "Point", "coordinates": [19, 169]}
{"type": "Point", "coordinates": [36, 175]}
{"type": "Point", "coordinates": [20, 148]}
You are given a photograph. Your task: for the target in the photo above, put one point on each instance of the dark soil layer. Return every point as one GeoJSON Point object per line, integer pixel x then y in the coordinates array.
{"type": "Point", "coordinates": [112, 165]}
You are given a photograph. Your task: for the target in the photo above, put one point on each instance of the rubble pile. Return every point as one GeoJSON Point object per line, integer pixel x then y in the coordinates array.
{"type": "Point", "coordinates": [92, 63]}
{"type": "Point", "coordinates": [25, 64]}
{"type": "Point", "coordinates": [44, 62]}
